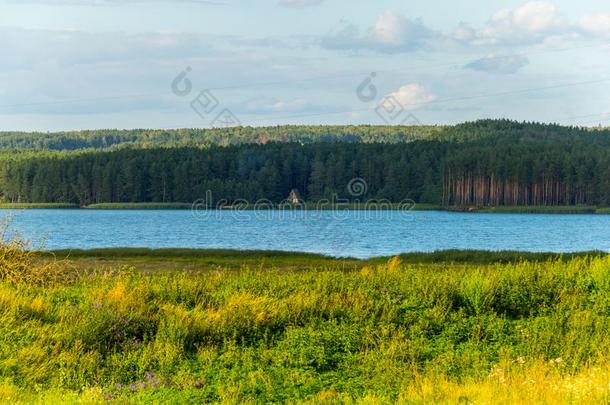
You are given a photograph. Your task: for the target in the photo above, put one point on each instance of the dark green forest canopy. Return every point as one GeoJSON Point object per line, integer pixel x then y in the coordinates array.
{"type": "Point", "coordinates": [144, 138]}
{"type": "Point", "coordinates": [490, 130]}
{"type": "Point", "coordinates": [493, 162]}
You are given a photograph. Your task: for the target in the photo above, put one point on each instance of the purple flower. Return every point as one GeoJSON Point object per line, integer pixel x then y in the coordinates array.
{"type": "Point", "coordinates": [152, 380]}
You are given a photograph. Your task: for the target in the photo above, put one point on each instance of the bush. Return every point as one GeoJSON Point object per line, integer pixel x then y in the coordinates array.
{"type": "Point", "coordinates": [20, 264]}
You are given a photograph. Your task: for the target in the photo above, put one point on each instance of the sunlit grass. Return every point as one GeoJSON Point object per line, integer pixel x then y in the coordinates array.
{"type": "Point", "coordinates": [380, 332]}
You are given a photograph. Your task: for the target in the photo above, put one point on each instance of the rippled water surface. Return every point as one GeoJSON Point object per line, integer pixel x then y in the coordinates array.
{"type": "Point", "coordinates": [352, 233]}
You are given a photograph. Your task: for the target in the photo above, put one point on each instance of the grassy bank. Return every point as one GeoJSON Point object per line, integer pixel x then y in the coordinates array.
{"type": "Point", "coordinates": [175, 260]}
{"type": "Point", "coordinates": [571, 209]}
{"type": "Point", "coordinates": [37, 206]}
{"type": "Point", "coordinates": [188, 206]}
{"type": "Point", "coordinates": [324, 207]}
{"type": "Point", "coordinates": [381, 331]}
{"type": "Point", "coordinates": [305, 206]}
{"type": "Point", "coordinates": [171, 260]}
{"type": "Point", "coordinates": [140, 206]}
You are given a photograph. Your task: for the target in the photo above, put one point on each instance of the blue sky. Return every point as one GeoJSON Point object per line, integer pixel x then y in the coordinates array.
{"type": "Point", "coordinates": [78, 64]}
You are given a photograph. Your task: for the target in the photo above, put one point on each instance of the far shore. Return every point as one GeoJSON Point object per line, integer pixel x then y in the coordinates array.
{"type": "Point", "coordinates": [576, 209]}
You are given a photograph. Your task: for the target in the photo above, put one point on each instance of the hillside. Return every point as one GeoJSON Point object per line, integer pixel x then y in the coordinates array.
{"type": "Point", "coordinates": [145, 138]}
{"type": "Point", "coordinates": [485, 163]}
{"type": "Point", "coordinates": [491, 130]}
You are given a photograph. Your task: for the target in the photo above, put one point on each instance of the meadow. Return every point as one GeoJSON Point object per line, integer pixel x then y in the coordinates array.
{"type": "Point", "coordinates": [180, 326]}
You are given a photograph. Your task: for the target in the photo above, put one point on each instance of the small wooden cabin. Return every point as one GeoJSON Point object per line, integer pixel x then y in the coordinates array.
{"type": "Point", "coordinates": [294, 196]}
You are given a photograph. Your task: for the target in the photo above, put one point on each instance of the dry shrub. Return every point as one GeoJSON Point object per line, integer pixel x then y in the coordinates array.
{"type": "Point", "coordinates": [21, 263]}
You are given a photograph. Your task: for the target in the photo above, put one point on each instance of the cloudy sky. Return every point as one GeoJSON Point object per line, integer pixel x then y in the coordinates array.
{"type": "Point", "coordinates": [76, 64]}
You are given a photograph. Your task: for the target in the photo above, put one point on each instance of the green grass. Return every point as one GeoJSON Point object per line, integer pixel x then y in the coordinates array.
{"type": "Point", "coordinates": [313, 206]}
{"type": "Point", "coordinates": [427, 207]}
{"type": "Point", "coordinates": [576, 209]}
{"type": "Point", "coordinates": [37, 206]}
{"type": "Point", "coordinates": [191, 259]}
{"type": "Point", "coordinates": [141, 206]}
{"type": "Point", "coordinates": [172, 260]}
{"type": "Point", "coordinates": [379, 331]}
{"type": "Point", "coordinates": [188, 206]}
{"type": "Point", "coordinates": [483, 257]}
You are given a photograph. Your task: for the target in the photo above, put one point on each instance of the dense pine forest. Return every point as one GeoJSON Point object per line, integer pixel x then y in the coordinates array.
{"type": "Point", "coordinates": [492, 162]}
{"type": "Point", "coordinates": [146, 138]}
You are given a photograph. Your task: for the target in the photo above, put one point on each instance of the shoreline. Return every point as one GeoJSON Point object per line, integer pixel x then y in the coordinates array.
{"type": "Point", "coordinates": [572, 210]}
{"type": "Point", "coordinates": [222, 255]}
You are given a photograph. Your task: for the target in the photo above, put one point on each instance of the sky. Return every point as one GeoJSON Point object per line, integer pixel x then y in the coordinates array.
{"type": "Point", "coordinates": [91, 64]}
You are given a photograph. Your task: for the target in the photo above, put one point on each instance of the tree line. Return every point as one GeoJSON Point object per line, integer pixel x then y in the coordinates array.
{"type": "Point", "coordinates": [484, 163]}
{"type": "Point", "coordinates": [151, 138]}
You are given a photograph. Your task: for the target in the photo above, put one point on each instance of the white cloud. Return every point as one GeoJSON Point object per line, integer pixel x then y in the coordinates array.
{"type": "Point", "coordinates": [530, 23]}
{"type": "Point", "coordinates": [596, 24]}
{"type": "Point", "coordinates": [535, 16]}
{"type": "Point", "coordinates": [500, 64]}
{"type": "Point", "coordinates": [412, 96]}
{"type": "Point", "coordinates": [299, 3]}
{"type": "Point", "coordinates": [392, 33]}
{"type": "Point", "coordinates": [39, 47]}
{"type": "Point", "coordinates": [391, 28]}
{"type": "Point", "coordinates": [45, 71]}
{"type": "Point", "coordinates": [534, 22]}
{"type": "Point", "coordinates": [464, 32]}
{"type": "Point", "coordinates": [266, 104]}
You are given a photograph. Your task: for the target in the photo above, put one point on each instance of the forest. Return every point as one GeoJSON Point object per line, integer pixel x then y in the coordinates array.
{"type": "Point", "coordinates": [201, 137]}
{"type": "Point", "coordinates": [483, 163]}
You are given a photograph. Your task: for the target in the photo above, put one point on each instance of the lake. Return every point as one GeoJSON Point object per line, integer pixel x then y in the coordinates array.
{"type": "Point", "coordinates": [359, 234]}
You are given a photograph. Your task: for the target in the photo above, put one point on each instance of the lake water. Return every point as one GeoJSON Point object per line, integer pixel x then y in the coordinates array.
{"type": "Point", "coordinates": [348, 233]}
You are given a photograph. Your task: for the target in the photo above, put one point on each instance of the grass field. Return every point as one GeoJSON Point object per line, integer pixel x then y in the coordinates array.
{"type": "Point", "coordinates": [186, 326]}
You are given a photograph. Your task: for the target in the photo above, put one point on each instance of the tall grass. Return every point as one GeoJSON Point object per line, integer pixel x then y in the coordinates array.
{"type": "Point", "coordinates": [385, 333]}
{"type": "Point", "coordinates": [20, 262]}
